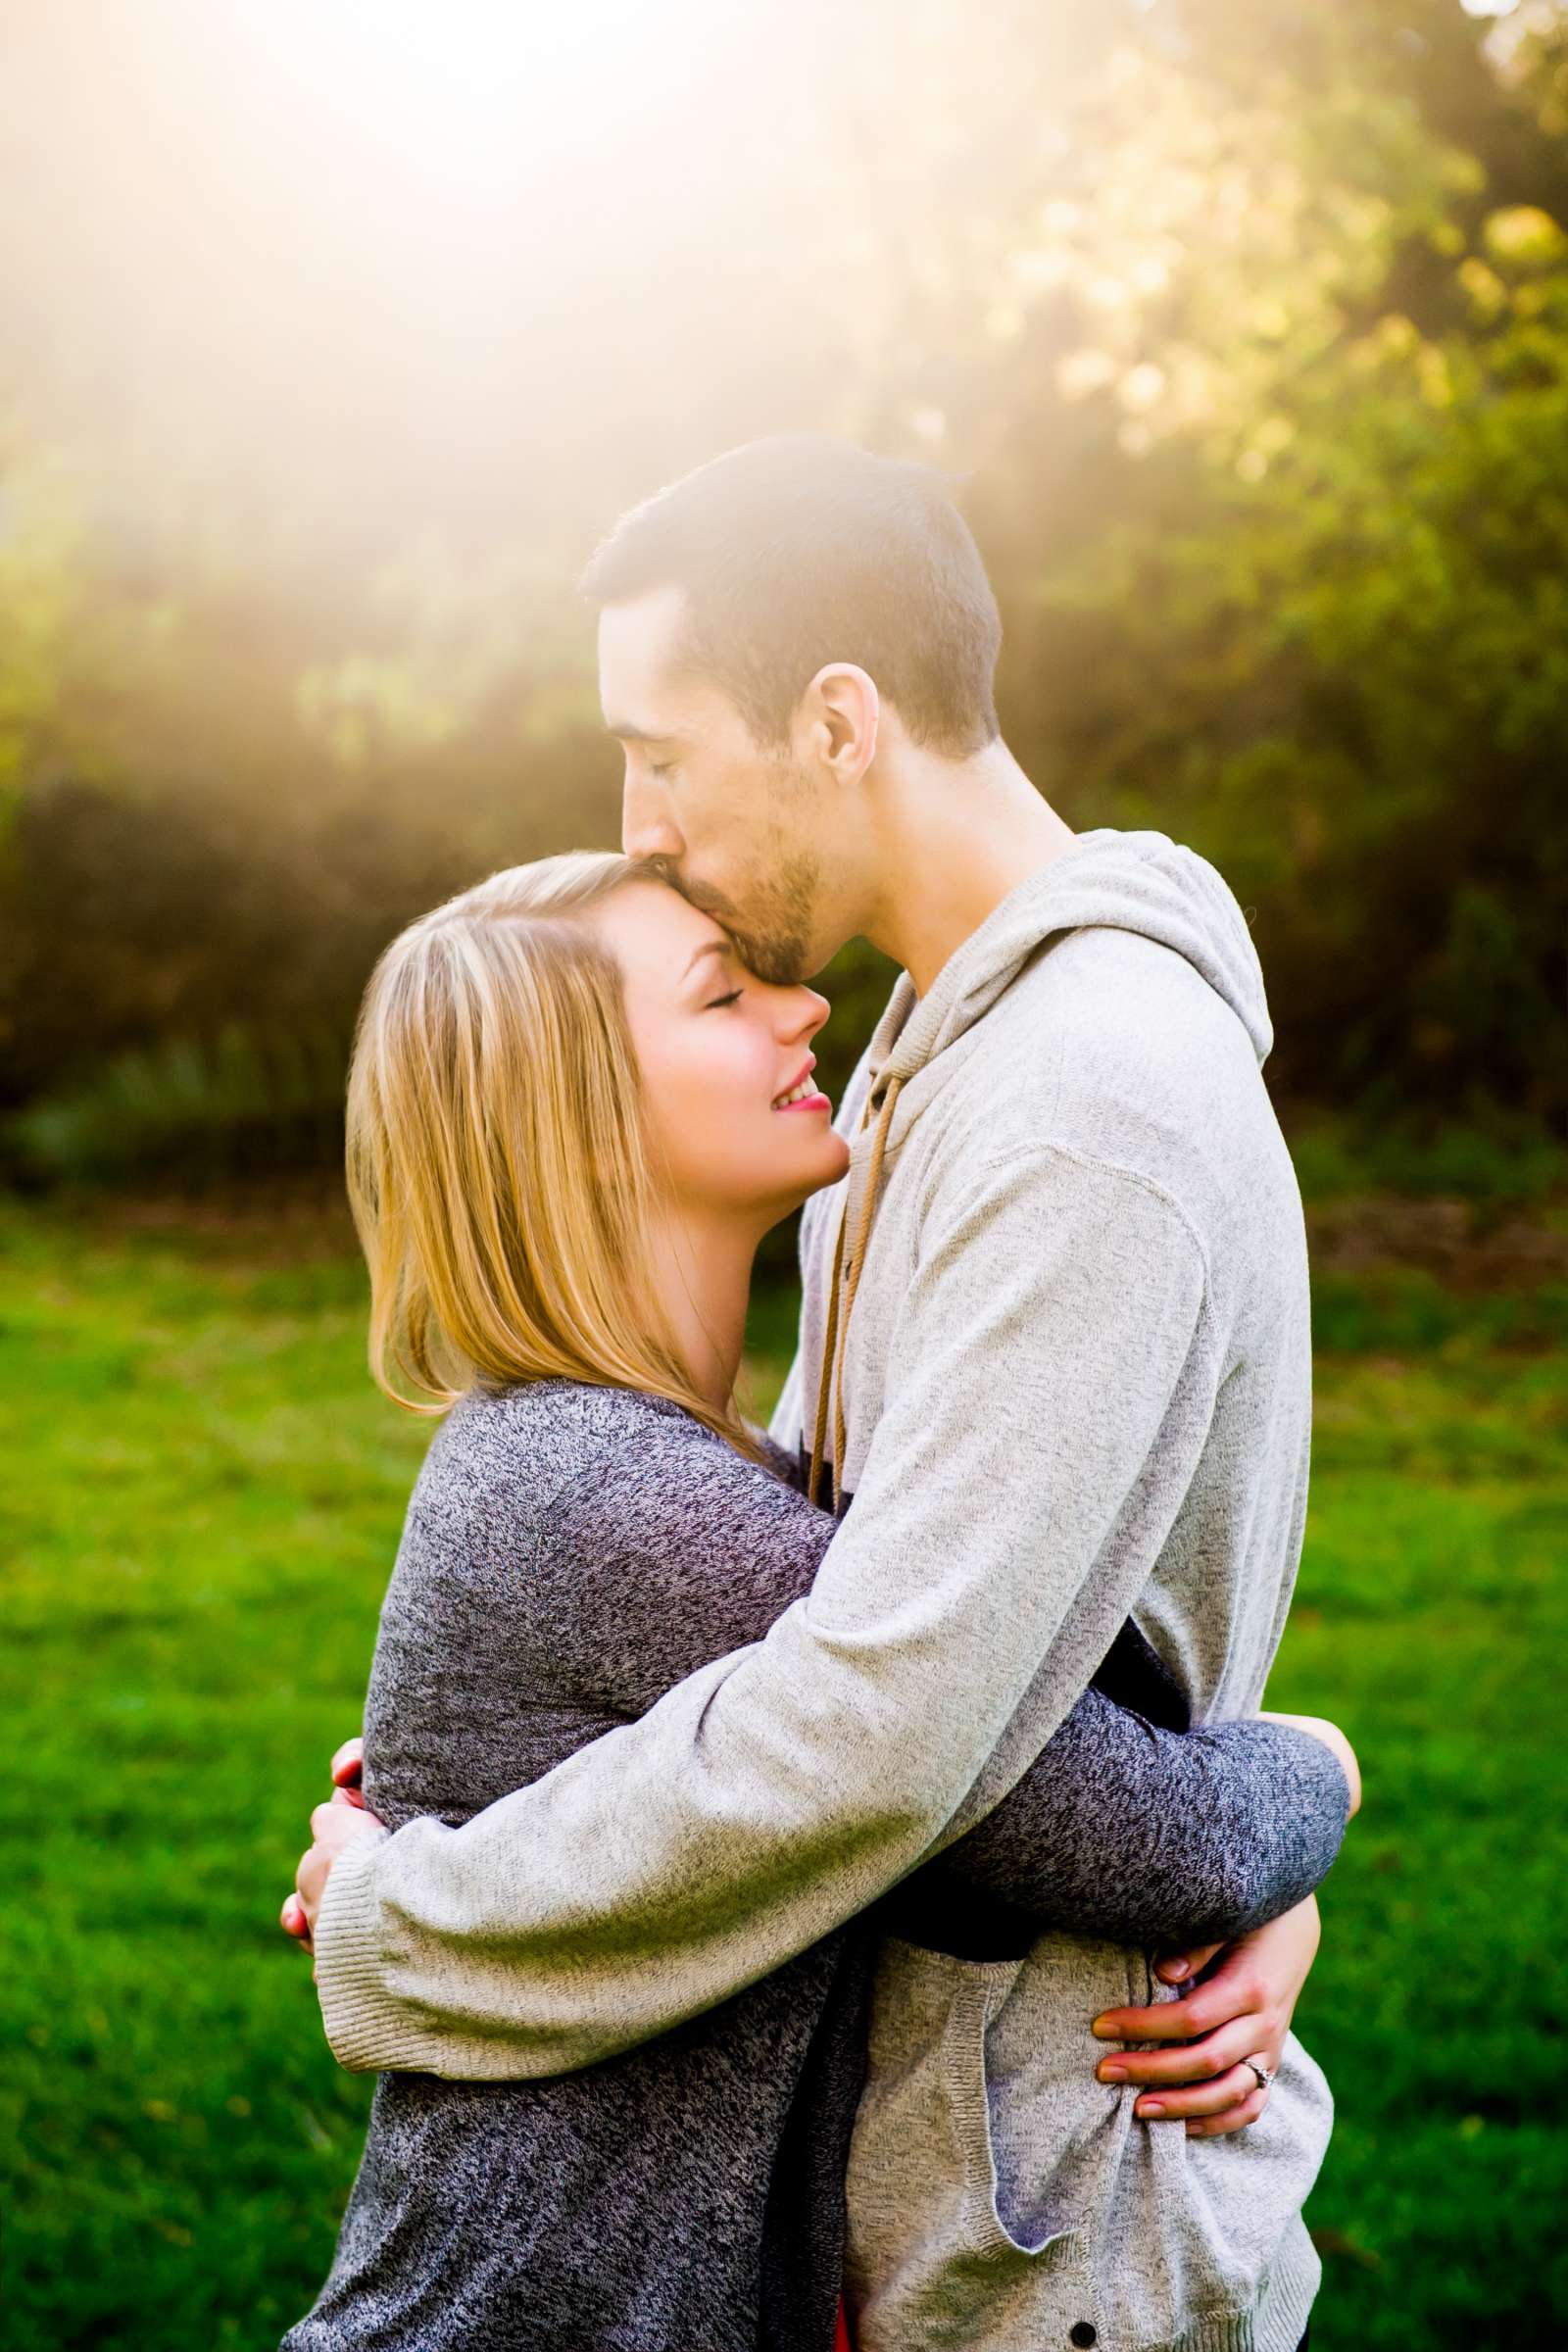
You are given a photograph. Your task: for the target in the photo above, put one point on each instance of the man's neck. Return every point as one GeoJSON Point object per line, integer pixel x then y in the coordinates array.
{"type": "Point", "coordinates": [953, 840]}
{"type": "Point", "coordinates": [703, 1276]}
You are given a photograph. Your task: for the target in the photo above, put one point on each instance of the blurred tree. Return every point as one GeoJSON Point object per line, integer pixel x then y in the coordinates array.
{"type": "Point", "coordinates": [1272, 470]}
{"type": "Point", "coordinates": [1344, 673]}
{"type": "Point", "coordinates": [1242, 322]}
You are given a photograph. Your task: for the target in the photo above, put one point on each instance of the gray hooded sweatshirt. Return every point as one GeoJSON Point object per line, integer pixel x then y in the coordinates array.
{"type": "Point", "coordinates": [1071, 1384]}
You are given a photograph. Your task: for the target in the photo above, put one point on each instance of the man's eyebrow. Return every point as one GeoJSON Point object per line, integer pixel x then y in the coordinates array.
{"type": "Point", "coordinates": [625, 732]}
{"type": "Point", "coordinates": [709, 946]}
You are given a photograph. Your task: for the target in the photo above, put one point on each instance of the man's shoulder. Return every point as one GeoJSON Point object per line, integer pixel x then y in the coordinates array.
{"type": "Point", "coordinates": [1116, 998]}
{"type": "Point", "coordinates": [1111, 1059]}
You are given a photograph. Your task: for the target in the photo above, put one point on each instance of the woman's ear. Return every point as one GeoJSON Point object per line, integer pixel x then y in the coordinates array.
{"type": "Point", "coordinates": [842, 713]}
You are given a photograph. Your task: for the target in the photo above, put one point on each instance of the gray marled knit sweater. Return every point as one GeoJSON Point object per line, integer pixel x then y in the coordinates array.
{"type": "Point", "coordinates": [569, 1554]}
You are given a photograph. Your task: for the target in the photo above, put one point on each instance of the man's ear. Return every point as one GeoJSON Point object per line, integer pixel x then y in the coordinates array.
{"type": "Point", "coordinates": [839, 716]}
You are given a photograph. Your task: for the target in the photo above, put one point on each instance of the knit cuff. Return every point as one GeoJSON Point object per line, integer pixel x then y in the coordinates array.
{"type": "Point", "coordinates": [360, 2012]}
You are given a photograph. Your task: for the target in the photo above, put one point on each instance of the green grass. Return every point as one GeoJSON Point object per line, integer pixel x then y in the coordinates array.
{"type": "Point", "coordinates": [202, 1501]}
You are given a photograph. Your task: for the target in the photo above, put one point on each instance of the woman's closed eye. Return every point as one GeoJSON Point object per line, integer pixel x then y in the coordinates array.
{"type": "Point", "coordinates": [733, 997]}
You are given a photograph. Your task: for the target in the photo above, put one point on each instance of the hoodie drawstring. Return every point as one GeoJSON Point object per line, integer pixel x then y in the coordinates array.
{"type": "Point", "coordinates": [830, 1377]}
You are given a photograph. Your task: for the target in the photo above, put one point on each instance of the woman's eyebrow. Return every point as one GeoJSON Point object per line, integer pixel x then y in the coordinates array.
{"type": "Point", "coordinates": [709, 946]}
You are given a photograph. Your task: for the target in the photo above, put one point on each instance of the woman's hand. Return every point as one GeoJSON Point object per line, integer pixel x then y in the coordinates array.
{"type": "Point", "coordinates": [1227, 2037]}
{"type": "Point", "coordinates": [1228, 2028]}
{"type": "Point", "coordinates": [330, 1832]}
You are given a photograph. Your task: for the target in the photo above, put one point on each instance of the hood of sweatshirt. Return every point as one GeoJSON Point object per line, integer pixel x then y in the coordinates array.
{"type": "Point", "coordinates": [1139, 882]}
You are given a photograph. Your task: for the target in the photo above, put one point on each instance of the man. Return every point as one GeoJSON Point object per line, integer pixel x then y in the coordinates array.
{"type": "Point", "coordinates": [1055, 1345]}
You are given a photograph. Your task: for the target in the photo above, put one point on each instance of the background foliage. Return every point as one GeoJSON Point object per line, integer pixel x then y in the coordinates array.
{"type": "Point", "coordinates": [1245, 329]}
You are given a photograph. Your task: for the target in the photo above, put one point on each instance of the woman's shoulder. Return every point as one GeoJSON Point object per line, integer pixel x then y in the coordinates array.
{"type": "Point", "coordinates": [557, 1420]}
{"type": "Point", "coordinates": [535, 1447]}
{"type": "Point", "coordinates": [634, 1539]}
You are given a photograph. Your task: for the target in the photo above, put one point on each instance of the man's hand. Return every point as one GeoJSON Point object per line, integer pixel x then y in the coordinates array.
{"type": "Point", "coordinates": [333, 1826]}
{"type": "Point", "coordinates": [1238, 2014]}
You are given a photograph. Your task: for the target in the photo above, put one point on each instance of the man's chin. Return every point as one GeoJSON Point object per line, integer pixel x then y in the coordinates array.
{"type": "Point", "coordinates": [782, 964]}
{"type": "Point", "coordinates": [780, 960]}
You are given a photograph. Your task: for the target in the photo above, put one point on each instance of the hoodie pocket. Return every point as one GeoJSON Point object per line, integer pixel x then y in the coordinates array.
{"type": "Point", "coordinates": [1006, 2213]}
{"type": "Point", "coordinates": [979, 2144]}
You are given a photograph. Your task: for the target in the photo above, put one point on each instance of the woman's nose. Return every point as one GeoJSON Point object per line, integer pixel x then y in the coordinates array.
{"type": "Point", "coordinates": [806, 1013]}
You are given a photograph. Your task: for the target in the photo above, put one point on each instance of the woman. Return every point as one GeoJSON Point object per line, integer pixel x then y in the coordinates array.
{"type": "Point", "coordinates": [573, 1116]}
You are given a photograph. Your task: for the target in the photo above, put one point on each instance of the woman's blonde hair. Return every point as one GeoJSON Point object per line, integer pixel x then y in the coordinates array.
{"type": "Point", "coordinates": [498, 1162]}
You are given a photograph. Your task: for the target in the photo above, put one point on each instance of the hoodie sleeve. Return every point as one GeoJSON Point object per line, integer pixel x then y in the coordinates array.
{"type": "Point", "coordinates": [1050, 1388]}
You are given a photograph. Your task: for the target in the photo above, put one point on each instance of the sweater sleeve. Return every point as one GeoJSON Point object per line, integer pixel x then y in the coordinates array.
{"type": "Point", "coordinates": [1151, 1837]}
{"type": "Point", "coordinates": [1129, 1829]}
{"type": "Point", "coordinates": [1049, 1385]}
{"type": "Point", "coordinates": [671, 1549]}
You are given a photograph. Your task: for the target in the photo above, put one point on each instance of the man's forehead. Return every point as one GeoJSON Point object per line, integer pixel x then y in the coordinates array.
{"type": "Point", "coordinates": [648, 690]}
{"type": "Point", "coordinates": [639, 644]}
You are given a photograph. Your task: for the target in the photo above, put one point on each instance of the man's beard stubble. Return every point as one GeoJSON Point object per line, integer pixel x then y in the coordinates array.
{"type": "Point", "coordinates": [772, 932]}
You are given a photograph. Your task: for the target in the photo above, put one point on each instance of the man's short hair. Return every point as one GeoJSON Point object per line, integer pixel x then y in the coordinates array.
{"type": "Point", "coordinates": [803, 551]}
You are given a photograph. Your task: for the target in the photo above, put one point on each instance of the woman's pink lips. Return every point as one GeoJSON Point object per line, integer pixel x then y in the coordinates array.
{"type": "Point", "coordinates": [809, 1103]}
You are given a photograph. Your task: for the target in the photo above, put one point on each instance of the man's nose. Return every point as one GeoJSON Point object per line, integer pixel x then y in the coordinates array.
{"type": "Point", "coordinates": [646, 828]}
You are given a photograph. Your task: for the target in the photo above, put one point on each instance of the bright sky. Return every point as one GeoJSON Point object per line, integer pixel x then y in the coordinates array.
{"type": "Point", "coordinates": [372, 242]}
{"type": "Point", "coordinates": [391, 261]}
